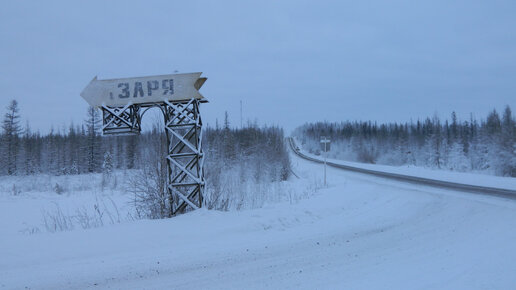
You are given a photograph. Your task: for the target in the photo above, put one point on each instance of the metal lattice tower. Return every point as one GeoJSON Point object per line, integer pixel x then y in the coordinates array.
{"type": "Point", "coordinates": [185, 158]}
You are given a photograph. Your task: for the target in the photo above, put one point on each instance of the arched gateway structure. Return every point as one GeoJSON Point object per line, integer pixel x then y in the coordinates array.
{"type": "Point", "coordinates": [124, 101]}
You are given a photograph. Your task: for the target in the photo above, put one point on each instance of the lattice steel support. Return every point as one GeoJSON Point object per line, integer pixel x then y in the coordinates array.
{"type": "Point", "coordinates": [183, 126]}
{"type": "Point", "coordinates": [121, 120]}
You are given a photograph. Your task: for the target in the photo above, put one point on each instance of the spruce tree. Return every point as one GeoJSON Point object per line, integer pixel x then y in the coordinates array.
{"type": "Point", "coordinates": [93, 140]}
{"type": "Point", "coordinates": [508, 144]}
{"type": "Point", "coordinates": [11, 131]}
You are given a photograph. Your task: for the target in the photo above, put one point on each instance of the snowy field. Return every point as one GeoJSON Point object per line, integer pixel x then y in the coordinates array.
{"type": "Point", "coordinates": [359, 232]}
{"type": "Point", "coordinates": [45, 203]}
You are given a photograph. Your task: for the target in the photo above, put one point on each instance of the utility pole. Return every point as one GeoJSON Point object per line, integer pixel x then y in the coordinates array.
{"type": "Point", "coordinates": [325, 141]}
{"type": "Point", "coordinates": [241, 126]}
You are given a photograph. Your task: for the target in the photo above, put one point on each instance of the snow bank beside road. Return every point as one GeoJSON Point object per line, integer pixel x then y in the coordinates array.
{"type": "Point", "coordinates": [442, 175]}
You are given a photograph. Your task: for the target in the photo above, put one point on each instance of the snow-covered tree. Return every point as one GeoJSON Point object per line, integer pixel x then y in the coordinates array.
{"type": "Point", "coordinates": [107, 165]}
{"type": "Point", "coordinates": [93, 153]}
{"type": "Point", "coordinates": [457, 159]}
{"type": "Point", "coordinates": [507, 144]}
{"type": "Point", "coordinates": [10, 138]}
{"type": "Point", "coordinates": [487, 145]}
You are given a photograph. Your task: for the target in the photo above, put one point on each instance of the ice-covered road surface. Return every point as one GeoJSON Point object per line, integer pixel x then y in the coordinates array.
{"type": "Point", "coordinates": [359, 233]}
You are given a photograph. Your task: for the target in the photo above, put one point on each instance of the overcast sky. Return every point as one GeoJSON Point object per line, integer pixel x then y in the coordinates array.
{"type": "Point", "coordinates": [290, 62]}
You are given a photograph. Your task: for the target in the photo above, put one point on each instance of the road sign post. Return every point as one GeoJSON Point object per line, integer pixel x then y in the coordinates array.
{"type": "Point", "coordinates": [123, 103]}
{"type": "Point", "coordinates": [325, 141]}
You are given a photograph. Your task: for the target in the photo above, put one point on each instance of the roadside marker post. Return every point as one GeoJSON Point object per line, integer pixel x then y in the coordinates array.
{"type": "Point", "coordinates": [325, 141]}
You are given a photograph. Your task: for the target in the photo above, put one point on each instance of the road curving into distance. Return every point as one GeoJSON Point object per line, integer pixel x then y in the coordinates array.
{"type": "Point", "coordinates": [493, 191]}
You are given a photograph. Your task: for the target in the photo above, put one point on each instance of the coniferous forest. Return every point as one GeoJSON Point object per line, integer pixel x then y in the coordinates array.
{"type": "Point", "coordinates": [487, 145]}
{"type": "Point", "coordinates": [255, 152]}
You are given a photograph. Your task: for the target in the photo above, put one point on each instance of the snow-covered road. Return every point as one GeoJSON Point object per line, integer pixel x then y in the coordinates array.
{"type": "Point", "coordinates": [360, 232]}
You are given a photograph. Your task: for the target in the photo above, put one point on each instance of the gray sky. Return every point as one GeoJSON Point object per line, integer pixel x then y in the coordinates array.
{"type": "Point", "coordinates": [290, 62]}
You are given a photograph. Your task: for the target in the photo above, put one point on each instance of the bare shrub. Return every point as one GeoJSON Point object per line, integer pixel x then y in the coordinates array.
{"type": "Point", "coordinates": [31, 230]}
{"type": "Point", "coordinates": [98, 215]}
{"type": "Point", "coordinates": [150, 196]}
{"type": "Point", "coordinates": [149, 183]}
{"type": "Point", "coordinates": [366, 155]}
{"type": "Point", "coordinates": [57, 221]}
{"type": "Point", "coordinates": [58, 188]}
{"type": "Point", "coordinates": [15, 190]}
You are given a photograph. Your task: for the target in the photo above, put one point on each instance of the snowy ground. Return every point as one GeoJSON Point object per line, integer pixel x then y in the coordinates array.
{"type": "Point", "coordinates": [25, 202]}
{"type": "Point", "coordinates": [360, 232]}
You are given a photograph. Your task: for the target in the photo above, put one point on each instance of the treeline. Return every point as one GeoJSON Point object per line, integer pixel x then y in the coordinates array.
{"type": "Point", "coordinates": [254, 152]}
{"type": "Point", "coordinates": [262, 152]}
{"type": "Point", "coordinates": [74, 150]}
{"type": "Point", "coordinates": [464, 145]}
{"type": "Point", "coordinates": [243, 165]}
